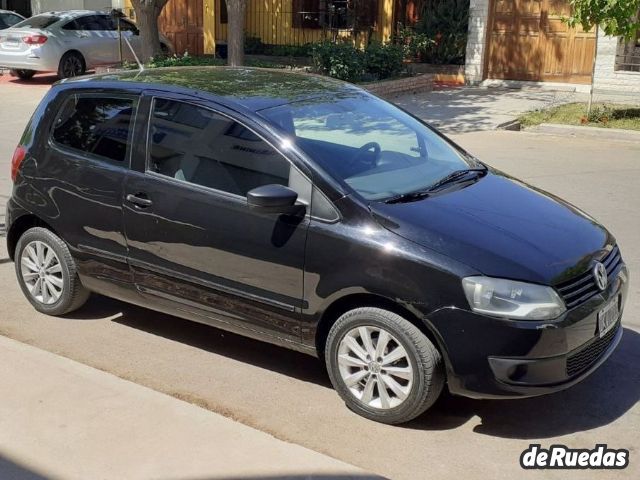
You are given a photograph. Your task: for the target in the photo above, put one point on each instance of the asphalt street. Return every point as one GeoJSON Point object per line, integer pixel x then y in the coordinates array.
{"type": "Point", "coordinates": [289, 396]}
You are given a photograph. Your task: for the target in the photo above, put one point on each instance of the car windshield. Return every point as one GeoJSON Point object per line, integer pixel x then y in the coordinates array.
{"type": "Point", "coordinates": [375, 148]}
{"type": "Point", "coordinates": [39, 21]}
{"type": "Point", "coordinates": [8, 20]}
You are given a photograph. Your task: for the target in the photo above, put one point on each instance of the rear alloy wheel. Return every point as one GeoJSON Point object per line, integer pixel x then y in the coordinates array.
{"type": "Point", "coordinates": [47, 273]}
{"type": "Point", "coordinates": [23, 74]}
{"type": "Point", "coordinates": [383, 366]}
{"type": "Point", "coordinates": [71, 65]}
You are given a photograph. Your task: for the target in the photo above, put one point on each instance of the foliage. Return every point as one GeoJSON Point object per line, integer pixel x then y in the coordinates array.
{"type": "Point", "coordinates": [615, 17]}
{"type": "Point", "coordinates": [601, 115]}
{"type": "Point", "coordinates": [447, 23]}
{"type": "Point", "coordinates": [339, 60]}
{"type": "Point", "coordinates": [414, 44]}
{"type": "Point", "coordinates": [383, 60]}
{"type": "Point", "coordinates": [344, 61]}
{"type": "Point", "coordinates": [185, 60]}
{"type": "Point", "coordinates": [255, 46]}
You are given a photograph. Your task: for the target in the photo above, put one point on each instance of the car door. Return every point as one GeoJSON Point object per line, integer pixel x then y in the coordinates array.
{"type": "Point", "coordinates": [95, 37]}
{"type": "Point", "coordinates": [194, 243]}
{"type": "Point", "coordinates": [83, 170]}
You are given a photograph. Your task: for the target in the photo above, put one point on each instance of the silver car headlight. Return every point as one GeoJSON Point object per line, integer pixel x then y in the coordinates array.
{"type": "Point", "coordinates": [511, 299]}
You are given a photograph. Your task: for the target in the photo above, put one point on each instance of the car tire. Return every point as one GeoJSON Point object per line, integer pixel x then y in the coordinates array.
{"type": "Point", "coordinates": [41, 256]}
{"type": "Point", "coordinates": [72, 64]}
{"type": "Point", "coordinates": [23, 74]}
{"type": "Point", "coordinates": [396, 383]}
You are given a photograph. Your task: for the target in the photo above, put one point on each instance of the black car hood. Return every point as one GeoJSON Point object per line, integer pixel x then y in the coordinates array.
{"type": "Point", "coordinates": [502, 227]}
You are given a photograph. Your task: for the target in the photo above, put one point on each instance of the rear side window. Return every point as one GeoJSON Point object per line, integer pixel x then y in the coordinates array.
{"type": "Point", "coordinates": [98, 125]}
{"type": "Point", "coordinates": [39, 21]}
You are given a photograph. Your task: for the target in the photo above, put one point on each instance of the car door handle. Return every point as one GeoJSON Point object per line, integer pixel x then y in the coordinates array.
{"type": "Point", "coordinates": [139, 200]}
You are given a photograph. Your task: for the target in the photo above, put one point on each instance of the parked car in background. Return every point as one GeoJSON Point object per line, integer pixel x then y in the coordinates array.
{"type": "Point", "coordinates": [308, 213]}
{"type": "Point", "coordinates": [9, 19]}
{"type": "Point", "coordinates": [69, 43]}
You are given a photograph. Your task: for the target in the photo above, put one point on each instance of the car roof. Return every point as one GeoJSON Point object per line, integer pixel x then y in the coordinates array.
{"type": "Point", "coordinates": [252, 88]}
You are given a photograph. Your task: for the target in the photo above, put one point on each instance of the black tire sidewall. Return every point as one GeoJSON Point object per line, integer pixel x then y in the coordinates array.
{"type": "Point", "coordinates": [64, 59]}
{"type": "Point", "coordinates": [53, 242]}
{"type": "Point", "coordinates": [392, 323]}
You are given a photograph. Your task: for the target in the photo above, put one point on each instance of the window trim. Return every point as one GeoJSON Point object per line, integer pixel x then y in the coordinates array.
{"type": "Point", "coordinates": [203, 187]}
{"type": "Point", "coordinates": [126, 162]}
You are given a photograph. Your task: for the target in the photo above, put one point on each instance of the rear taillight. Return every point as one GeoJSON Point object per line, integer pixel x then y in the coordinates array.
{"type": "Point", "coordinates": [16, 161]}
{"type": "Point", "coordinates": [35, 39]}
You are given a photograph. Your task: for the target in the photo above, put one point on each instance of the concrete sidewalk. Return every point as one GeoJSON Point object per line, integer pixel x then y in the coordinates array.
{"type": "Point", "coordinates": [63, 420]}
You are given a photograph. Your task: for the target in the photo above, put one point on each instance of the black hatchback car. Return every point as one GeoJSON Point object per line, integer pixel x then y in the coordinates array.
{"type": "Point", "coordinates": [308, 213]}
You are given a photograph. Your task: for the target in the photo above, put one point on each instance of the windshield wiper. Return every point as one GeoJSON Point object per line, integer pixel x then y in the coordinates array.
{"type": "Point", "coordinates": [455, 176]}
{"type": "Point", "coordinates": [451, 178]}
{"type": "Point", "coordinates": [408, 197]}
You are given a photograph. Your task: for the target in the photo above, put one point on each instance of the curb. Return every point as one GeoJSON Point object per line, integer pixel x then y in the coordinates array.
{"type": "Point", "coordinates": [513, 125]}
{"type": "Point", "coordinates": [593, 132]}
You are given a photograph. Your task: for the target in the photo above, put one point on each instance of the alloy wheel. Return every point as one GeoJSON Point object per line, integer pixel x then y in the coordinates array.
{"type": "Point", "coordinates": [41, 272]}
{"type": "Point", "coordinates": [72, 66]}
{"type": "Point", "coordinates": [375, 367]}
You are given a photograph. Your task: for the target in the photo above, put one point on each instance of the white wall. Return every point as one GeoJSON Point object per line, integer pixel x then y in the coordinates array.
{"type": "Point", "coordinates": [606, 78]}
{"type": "Point", "coordinates": [476, 41]}
{"type": "Point", "coordinates": [39, 6]}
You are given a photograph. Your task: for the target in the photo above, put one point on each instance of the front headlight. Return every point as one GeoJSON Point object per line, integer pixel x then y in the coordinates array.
{"type": "Point", "coordinates": [511, 299]}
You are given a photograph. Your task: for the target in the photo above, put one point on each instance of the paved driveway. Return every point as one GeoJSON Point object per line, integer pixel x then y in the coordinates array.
{"type": "Point", "coordinates": [288, 394]}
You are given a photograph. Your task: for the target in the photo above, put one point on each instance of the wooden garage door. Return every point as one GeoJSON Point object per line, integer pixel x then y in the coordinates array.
{"type": "Point", "coordinates": [181, 22]}
{"type": "Point", "coordinates": [528, 41]}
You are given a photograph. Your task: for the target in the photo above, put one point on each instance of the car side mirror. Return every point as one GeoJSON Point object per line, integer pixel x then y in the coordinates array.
{"type": "Point", "coordinates": [274, 199]}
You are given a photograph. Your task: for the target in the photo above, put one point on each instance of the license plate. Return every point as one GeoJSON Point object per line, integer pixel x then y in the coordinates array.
{"type": "Point", "coordinates": [607, 317]}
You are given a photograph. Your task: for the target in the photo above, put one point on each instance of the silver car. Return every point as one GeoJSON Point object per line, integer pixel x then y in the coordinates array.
{"type": "Point", "coordinates": [69, 43]}
{"type": "Point", "coordinates": [9, 19]}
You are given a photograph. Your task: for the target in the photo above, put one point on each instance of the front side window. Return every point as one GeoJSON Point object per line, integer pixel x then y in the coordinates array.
{"type": "Point", "coordinates": [199, 146]}
{"type": "Point", "coordinates": [90, 23]}
{"type": "Point", "coordinates": [98, 125]}
{"type": "Point", "coordinates": [372, 146]}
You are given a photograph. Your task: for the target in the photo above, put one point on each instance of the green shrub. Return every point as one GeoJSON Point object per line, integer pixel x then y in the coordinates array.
{"type": "Point", "coordinates": [254, 46]}
{"type": "Point", "coordinates": [344, 61]}
{"type": "Point", "coordinates": [415, 45]}
{"type": "Point", "coordinates": [383, 60]}
{"type": "Point", "coordinates": [339, 60]}
{"type": "Point", "coordinates": [447, 23]}
{"type": "Point", "coordinates": [291, 50]}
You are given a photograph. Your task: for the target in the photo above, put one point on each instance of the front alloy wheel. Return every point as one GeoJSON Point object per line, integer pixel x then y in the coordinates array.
{"type": "Point", "coordinates": [383, 366]}
{"type": "Point", "coordinates": [375, 367]}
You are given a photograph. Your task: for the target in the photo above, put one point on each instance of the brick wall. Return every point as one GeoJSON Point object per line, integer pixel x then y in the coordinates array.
{"type": "Point", "coordinates": [606, 78]}
{"type": "Point", "coordinates": [393, 88]}
{"type": "Point", "coordinates": [477, 39]}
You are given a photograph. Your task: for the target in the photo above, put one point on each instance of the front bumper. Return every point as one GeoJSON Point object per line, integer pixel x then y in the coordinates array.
{"type": "Point", "coordinates": [490, 357]}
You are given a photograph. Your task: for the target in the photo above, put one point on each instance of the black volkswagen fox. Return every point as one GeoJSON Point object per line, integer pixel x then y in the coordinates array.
{"type": "Point", "coordinates": [308, 213]}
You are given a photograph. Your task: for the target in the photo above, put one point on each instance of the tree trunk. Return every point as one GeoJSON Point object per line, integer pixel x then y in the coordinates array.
{"type": "Point", "coordinates": [593, 74]}
{"type": "Point", "coordinates": [147, 13]}
{"type": "Point", "coordinates": [235, 37]}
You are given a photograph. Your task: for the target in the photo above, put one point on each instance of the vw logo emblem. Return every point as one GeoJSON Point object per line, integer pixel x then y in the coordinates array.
{"type": "Point", "coordinates": [600, 276]}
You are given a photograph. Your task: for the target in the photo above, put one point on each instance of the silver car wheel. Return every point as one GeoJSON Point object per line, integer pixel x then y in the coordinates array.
{"type": "Point", "coordinates": [42, 272]}
{"type": "Point", "coordinates": [375, 367]}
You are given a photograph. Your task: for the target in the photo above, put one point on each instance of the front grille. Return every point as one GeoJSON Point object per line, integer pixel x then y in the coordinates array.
{"type": "Point", "coordinates": [581, 288]}
{"type": "Point", "coordinates": [587, 356]}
